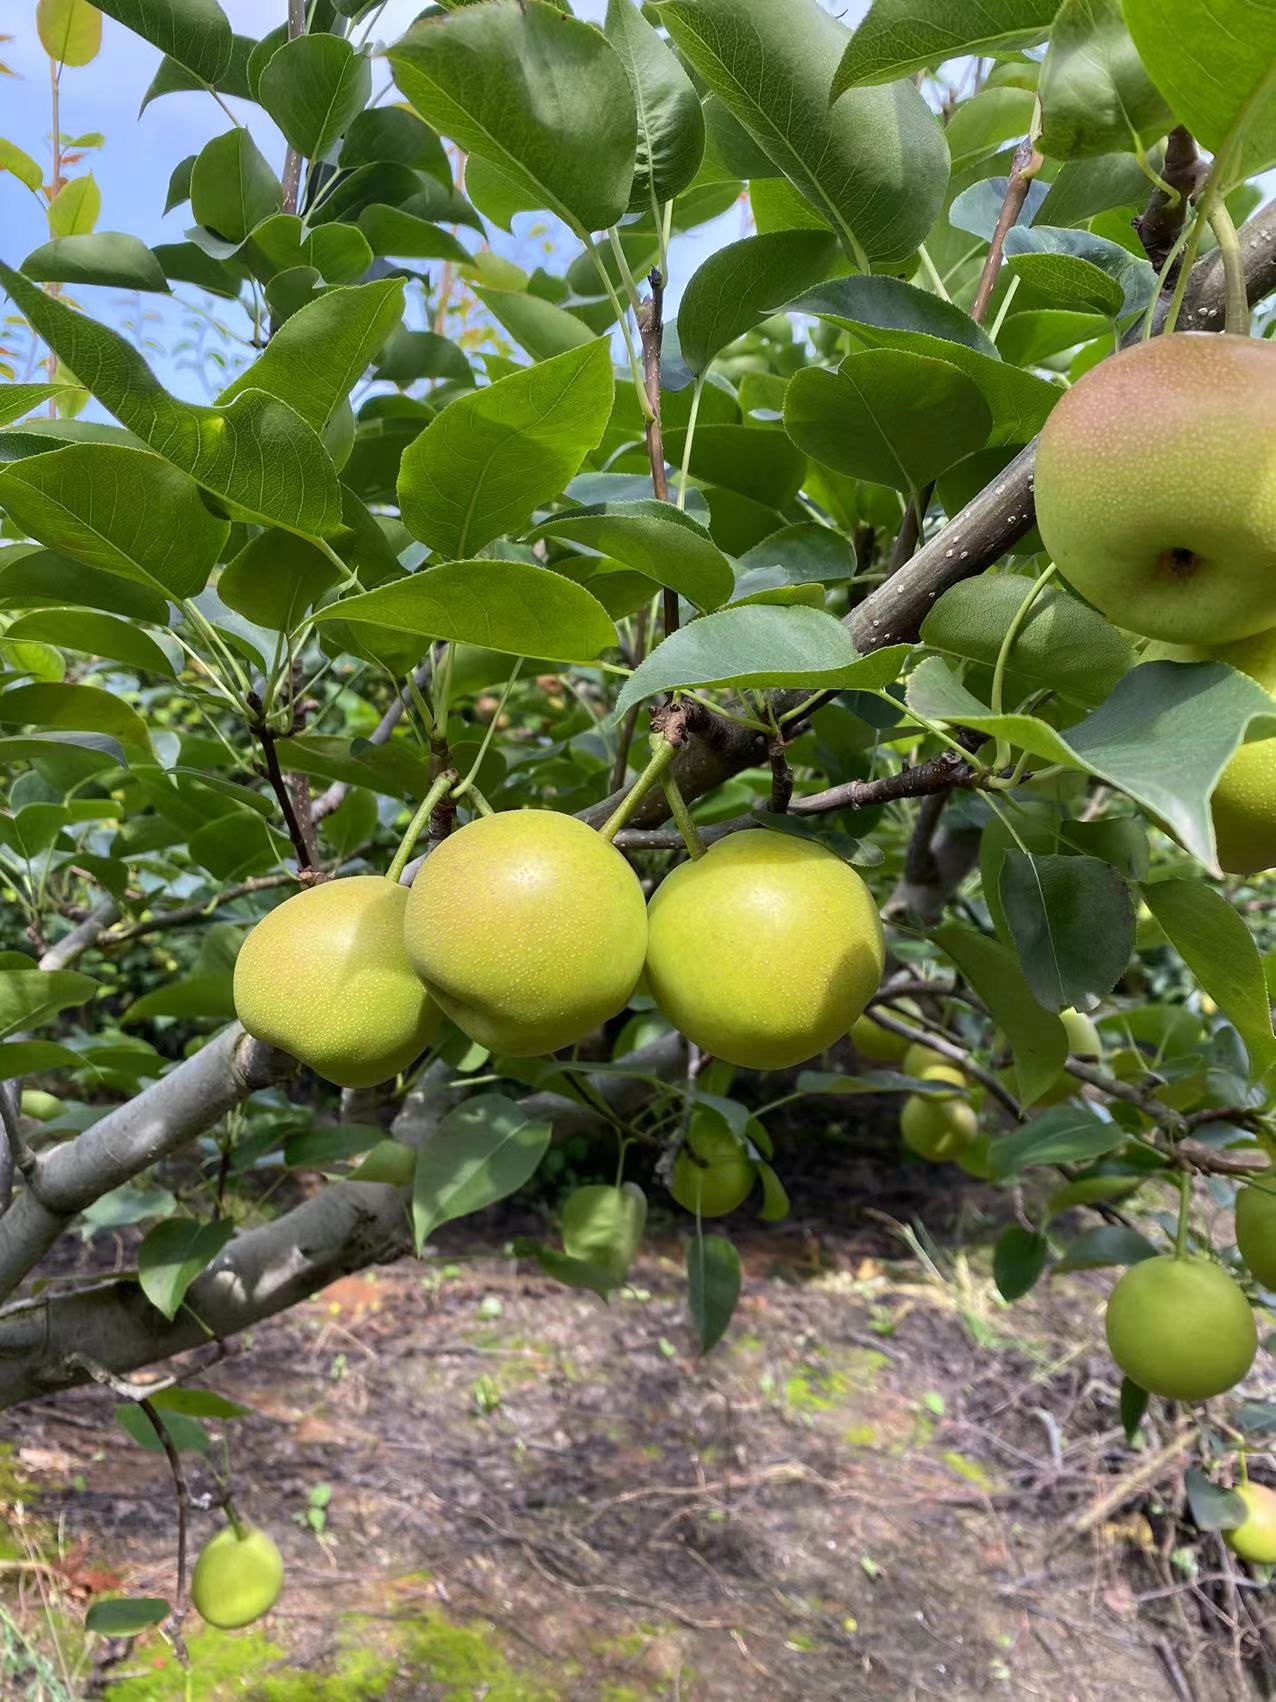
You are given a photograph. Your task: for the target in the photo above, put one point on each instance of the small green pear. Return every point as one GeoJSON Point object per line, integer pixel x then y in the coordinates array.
{"type": "Point", "coordinates": [39, 1105]}
{"type": "Point", "coordinates": [765, 950]}
{"type": "Point", "coordinates": [1181, 1328]}
{"type": "Point", "coordinates": [713, 1171]}
{"type": "Point", "coordinates": [1255, 1537]}
{"type": "Point", "coordinates": [326, 978]}
{"type": "Point", "coordinates": [1256, 1231]}
{"type": "Point", "coordinates": [937, 1128]}
{"type": "Point", "coordinates": [1243, 803]}
{"type": "Point", "coordinates": [918, 1059]}
{"type": "Point", "coordinates": [528, 928]}
{"type": "Point", "coordinates": [237, 1577]}
{"type": "Point", "coordinates": [1155, 487]}
{"type": "Point", "coordinates": [1083, 1036]}
{"type": "Point", "coordinates": [882, 1045]}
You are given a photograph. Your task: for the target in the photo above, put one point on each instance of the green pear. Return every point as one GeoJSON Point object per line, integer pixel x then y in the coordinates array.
{"type": "Point", "coordinates": [1181, 1328]}
{"type": "Point", "coordinates": [713, 1172]}
{"type": "Point", "coordinates": [1155, 487]}
{"type": "Point", "coordinates": [937, 1128]}
{"type": "Point", "coordinates": [1255, 1537]}
{"type": "Point", "coordinates": [237, 1577]}
{"type": "Point", "coordinates": [918, 1059]}
{"type": "Point", "coordinates": [1256, 1232]}
{"type": "Point", "coordinates": [882, 1045]}
{"type": "Point", "coordinates": [1243, 803]}
{"type": "Point", "coordinates": [39, 1105]}
{"type": "Point", "coordinates": [1083, 1036]}
{"type": "Point", "coordinates": [529, 929]}
{"type": "Point", "coordinates": [326, 977]}
{"type": "Point", "coordinates": [765, 950]}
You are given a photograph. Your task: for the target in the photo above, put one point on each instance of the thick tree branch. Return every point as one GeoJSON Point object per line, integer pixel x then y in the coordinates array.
{"type": "Point", "coordinates": [1162, 219]}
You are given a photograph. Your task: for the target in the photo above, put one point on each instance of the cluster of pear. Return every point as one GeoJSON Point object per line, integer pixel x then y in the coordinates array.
{"type": "Point", "coordinates": [1156, 497]}
{"type": "Point", "coordinates": [529, 930]}
{"type": "Point", "coordinates": [940, 1125]}
{"type": "Point", "coordinates": [237, 1577]}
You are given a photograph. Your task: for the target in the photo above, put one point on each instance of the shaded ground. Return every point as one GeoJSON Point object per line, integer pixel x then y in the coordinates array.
{"type": "Point", "coordinates": [534, 1498]}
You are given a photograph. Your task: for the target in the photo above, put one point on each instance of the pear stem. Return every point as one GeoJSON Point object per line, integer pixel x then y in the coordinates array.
{"type": "Point", "coordinates": [418, 824]}
{"type": "Point", "coordinates": [1003, 655]}
{"type": "Point", "coordinates": [682, 818]}
{"type": "Point", "coordinates": [663, 752]}
{"type": "Point", "coordinates": [1235, 293]}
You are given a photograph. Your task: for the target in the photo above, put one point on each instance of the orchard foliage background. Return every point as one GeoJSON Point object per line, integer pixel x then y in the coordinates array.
{"type": "Point", "coordinates": [444, 519]}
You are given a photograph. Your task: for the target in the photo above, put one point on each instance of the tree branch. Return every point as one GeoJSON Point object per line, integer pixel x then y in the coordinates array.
{"type": "Point", "coordinates": [651, 328]}
{"type": "Point", "coordinates": [1162, 219]}
{"type": "Point", "coordinates": [292, 159]}
{"type": "Point", "coordinates": [1027, 163]}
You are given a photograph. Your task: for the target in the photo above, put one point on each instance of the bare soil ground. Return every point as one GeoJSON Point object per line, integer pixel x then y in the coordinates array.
{"type": "Point", "coordinates": [883, 1484]}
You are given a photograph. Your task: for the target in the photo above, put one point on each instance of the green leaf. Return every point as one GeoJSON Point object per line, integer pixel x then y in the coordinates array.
{"type": "Point", "coordinates": [186, 263]}
{"type": "Point", "coordinates": [233, 847]}
{"type": "Point", "coordinates": [196, 33]}
{"type": "Point", "coordinates": [232, 186]}
{"type": "Point", "coordinates": [313, 362]}
{"type": "Point", "coordinates": [393, 230]}
{"type": "Point", "coordinates": [757, 644]}
{"type": "Point", "coordinates": [1106, 1244]}
{"type": "Point", "coordinates": [198, 1403]}
{"type": "Point", "coordinates": [1133, 1404]}
{"type": "Point", "coordinates": [1163, 736]}
{"type": "Point", "coordinates": [74, 210]}
{"type": "Point", "coordinates": [899, 37]}
{"type": "Point", "coordinates": [171, 77]}
{"type": "Point", "coordinates": [319, 1149]}
{"type": "Point", "coordinates": [1218, 948]}
{"type": "Point", "coordinates": [124, 1616]}
{"type": "Point", "coordinates": [761, 465]}
{"type": "Point", "coordinates": [891, 417]}
{"type": "Point", "coordinates": [1217, 68]}
{"type": "Point", "coordinates": [739, 285]}
{"type": "Point", "coordinates": [173, 1254]}
{"type": "Point", "coordinates": [186, 1434]}
{"type": "Point", "coordinates": [1075, 268]}
{"type": "Point", "coordinates": [1066, 1134]}
{"type": "Point", "coordinates": [479, 469]}
{"type": "Point", "coordinates": [875, 164]}
{"type": "Point", "coordinates": [196, 996]}
{"type": "Point", "coordinates": [983, 124]}
{"type": "Point", "coordinates": [70, 31]}
{"type": "Point", "coordinates": [1213, 1508]}
{"type": "Point", "coordinates": [19, 399]}
{"type": "Point", "coordinates": [27, 1057]}
{"type": "Point", "coordinates": [510, 606]}
{"type": "Point", "coordinates": [654, 538]}
{"type": "Point", "coordinates": [713, 1287]}
{"type": "Point", "coordinates": [540, 326]}
{"type": "Point", "coordinates": [81, 708]}
{"type": "Point", "coordinates": [481, 1152]}
{"type": "Point", "coordinates": [1037, 1037]}
{"type": "Point", "coordinates": [1063, 644]}
{"type": "Point", "coordinates": [42, 578]}
{"type": "Point", "coordinates": [1072, 919]}
{"type": "Point", "coordinates": [1096, 97]}
{"type": "Point", "coordinates": [409, 355]}
{"type": "Point", "coordinates": [670, 119]}
{"type": "Point", "coordinates": [884, 313]}
{"type": "Point", "coordinates": [1018, 1259]}
{"type": "Point", "coordinates": [124, 511]}
{"type": "Point", "coordinates": [275, 578]}
{"type": "Point", "coordinates": [314, 88]}
{"type": "Point", "coordinates": [29, 997]}
{"type": "Point", "coordinates": [111, 258]}
{"type": "Point", "coordinates": [23, 167]}
{"type": "Point", "coordinates": [542, 97]}
{"type": "Point", "coordinates": [603, 1226]}
{"type": "Point", "coordinates": [258, 454]}
{"type": "Point", "coordinates": [394, 136]}
{"type": "Point", "coordinates": [96, 634]}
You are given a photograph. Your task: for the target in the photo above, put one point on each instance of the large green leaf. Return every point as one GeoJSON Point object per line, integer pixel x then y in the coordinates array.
{"type": "Point", "coordinates": [394, 230]}
{"type": "Point", "coordinates": [70, 31]}
{"type": "Point", "coordinates": [232, 186]}
{"type": "Point", "coordinates": [41, 578]}
{"type": "Point", "coordinates": [1072, 920]}
{"type": "Point", "coordinates": [112, 258]}
{"type": "Point", "coordinates": [125, 511]}
{"type": "Point", "coordinates": [1215, 62]}
{"type": "Point", "coordinates": [19, 399]}
{"type": "Point", "coordinates": [713, 1287]}
{"type": "Point", "coordinates": [29, 997]}
{"type": "Point", "coordinates": [1036, 253]}
{"type": "Point", "coordinates": [96, 634]}
{"type": "Point", "coordinates": [314, 88]}
{"type": "Point", "coordinates": [885, 313]}
{"type": "Point", "coordinates": [1066, 1134]}
{"type": "Point", "coordinates": [542, 327]}
{"type": "Point", "coordinates": [762, 465]}
{"type": "Point", "coordinates": [899, 37]}
{"type": "Point", "coordinates": [172, 1255]}
{"type": "Point", "coordinates": [758, 644]}
{"type": "Point", "coordinates": [1037, 1038]}
{"type": "Point", "coordinates": [196, 33]}
{"type": "Point", "coordinates": [1163, 737]}
{"type": "Point", "coordinates": [874, 164]}
{"type": "Point", "coordinates": [73, 211]}
{"type": "Point", "coordinates": [80, 708]}
{"type": "Point", "coordinates": [490, 458]}
{"type": "Point", "coordinates": [1062, 645]}
{"type": "Point", "coordinates": [480, 1152]}
{"type": "Point", "coordinates": [739, 285]}
{"type": "Point", "coordinates": [542, 97]}
{"type": "Point", "coordinates": [1219, 949]}
{"type": "Point", "coordinates": [275, 578]}
{"type": "Point", "coordinates": [670, 119]}
{"type": "Point", "coordinates": [656, 539]}
{"type": "Point", "coordinates": [394, 136]}
{"type": "Point", "coordinates": [258, 454]}
{"type": "Point", "coordinates": [172, 78]}
{"type": "Point", "coordinates": [1095, 96]}
{"type": "Point", "coordinates": [887, 415]}
{"type": "Point", "coordinates": [314, 360]}
{"type": "Point", "coordinates": [125, 1616]}
{"type": "Point", "coordinates": [509, 606]}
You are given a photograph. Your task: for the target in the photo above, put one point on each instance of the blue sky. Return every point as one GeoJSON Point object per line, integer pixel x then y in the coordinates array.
{"type": "Point", "coordinates": [132, 170]}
